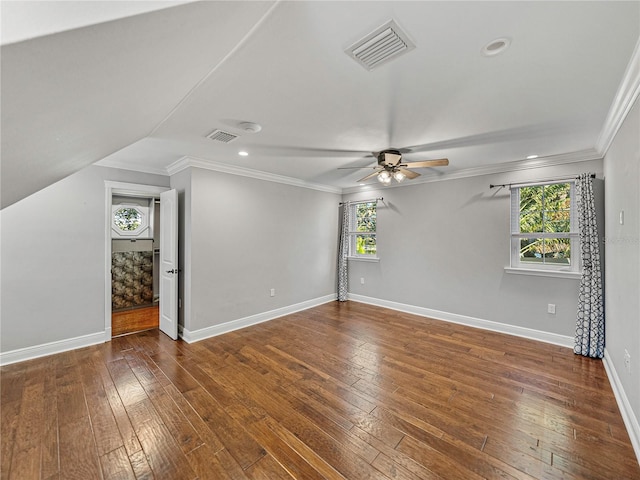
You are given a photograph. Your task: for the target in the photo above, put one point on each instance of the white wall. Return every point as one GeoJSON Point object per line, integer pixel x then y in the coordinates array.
{"type": "Point", "coordinates": [444, 245]}
{"type": "Point", "coordinates": [622, 291]}
{"type": "Point", "coordinates": [182, 183]}
{"type": "Point", "coordinates": [249, 236]}
{"type": "Point", "coordinates": [53, 259]}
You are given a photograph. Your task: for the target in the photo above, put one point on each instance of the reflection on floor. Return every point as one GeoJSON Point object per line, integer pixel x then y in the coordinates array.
{"type": "Point", "coordinates": [134, 320]}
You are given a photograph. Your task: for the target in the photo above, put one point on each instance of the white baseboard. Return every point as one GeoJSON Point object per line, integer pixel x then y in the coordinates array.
{"type": "Point", "coordinates": [29, 353]}
{"type": "Point", "coordinates": [554, 338]}
{"type": "Point", "coordinates": [629, 418]}
{"type": "Point", "coordinates": [196, 335]}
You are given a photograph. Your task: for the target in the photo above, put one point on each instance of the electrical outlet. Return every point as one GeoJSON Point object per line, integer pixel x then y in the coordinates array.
{"type": "Point", "coordinates": [627, 360]}
{"type": "Point", "coordinates": [551, 308]}
{"type": "Point", "coordinates": [273, 292]}
{"type": "Point", "coordinates": [361, 280]}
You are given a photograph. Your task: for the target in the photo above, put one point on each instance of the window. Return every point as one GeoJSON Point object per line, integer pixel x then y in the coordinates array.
{"type": "Point", "coordinates": [129, 221]}
{"type": "Point", "coordinates": [127, 218]}
{"type": "Point", "coordinates": [362, 235]}
{"type": "Point", "coordinates": [544, 227]}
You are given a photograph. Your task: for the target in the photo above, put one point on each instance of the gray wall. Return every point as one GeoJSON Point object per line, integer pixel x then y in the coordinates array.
{"type": "Point", "coordinates": [444, 246]}
{"type": "Point", "coordinates": [622, 291]}
{"type": "Point", "coordinates": [53, 259]}
{"type": "Point", "coordinates": [248, 236]}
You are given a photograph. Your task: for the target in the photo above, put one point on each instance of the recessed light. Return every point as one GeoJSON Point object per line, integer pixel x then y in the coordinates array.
{"type": "Point", "coordinates": [496, 47]}
{"type": "Point", "coordinates": [531, 157]}
{"type": "Point", "coordinates": [242, 153]}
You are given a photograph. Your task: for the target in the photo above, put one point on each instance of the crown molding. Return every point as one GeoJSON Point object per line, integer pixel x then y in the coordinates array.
{"type": "Point", "coordinates": [624, 100]}
{"type": "Point", "coordinates": [550, 161]}
{"type": "Point", "coordinates": [187, 162]}
{"type": "Point", "coordinates": [178, 166]}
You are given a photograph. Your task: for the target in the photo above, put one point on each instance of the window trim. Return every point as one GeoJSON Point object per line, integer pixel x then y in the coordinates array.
{"type": "Point", "coordinates": [361, 258]}
{"type": "Point", "coordinates": [543, 273]}
{"type": "Point", "coordinates": [352, 255]}
{"type": "Point", "coordinates": [574, 269]}
{"type": "Point", "coordinates": [139, 230]}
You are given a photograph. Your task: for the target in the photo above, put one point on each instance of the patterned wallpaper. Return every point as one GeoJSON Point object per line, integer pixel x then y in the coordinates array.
{"type": "Point", "coordinates": [131, 279]}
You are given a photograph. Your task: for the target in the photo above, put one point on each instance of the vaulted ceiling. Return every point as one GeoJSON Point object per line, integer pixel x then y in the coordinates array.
{"type": "Point", "coordinates": [140, 85]}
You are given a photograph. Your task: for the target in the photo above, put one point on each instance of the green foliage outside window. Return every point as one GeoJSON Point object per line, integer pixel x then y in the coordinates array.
{"type": "Point", "coordinates": [545, 209]}
{"type": "Point", "coordinates": [366, 244]}
{"type": "Point", "coordinates": [365, 216]}
{"type": "Point", "coordinates": [127, 219]}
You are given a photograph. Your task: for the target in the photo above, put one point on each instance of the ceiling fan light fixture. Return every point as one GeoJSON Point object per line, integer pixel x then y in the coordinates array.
{"type": "Point", "coordinates": [399, 176]}
{"type": "Point", "coordinates": [384, 177]}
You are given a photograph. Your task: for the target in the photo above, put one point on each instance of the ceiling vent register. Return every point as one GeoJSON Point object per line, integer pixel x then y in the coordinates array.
{"type": "Point", "coordinates": [384, 44]}
{"type": "Point", "coordinates": [222, 136]}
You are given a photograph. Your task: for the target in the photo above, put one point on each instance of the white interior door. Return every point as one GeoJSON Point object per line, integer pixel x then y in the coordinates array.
{"type": "Point", "coordinates": [169, 263]}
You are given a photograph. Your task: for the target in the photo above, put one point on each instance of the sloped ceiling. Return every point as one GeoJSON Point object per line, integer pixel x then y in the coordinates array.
{"type": "Point", "coordinates": [70, 99]}
{"type": "Point", "coordinates": [144, 91]}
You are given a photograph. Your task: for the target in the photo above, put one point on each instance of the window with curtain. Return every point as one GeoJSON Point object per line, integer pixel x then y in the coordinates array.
{"type": "Point", "coordinates": [362, 234]}
{"type": "Point", "coordinates": [544, 230]}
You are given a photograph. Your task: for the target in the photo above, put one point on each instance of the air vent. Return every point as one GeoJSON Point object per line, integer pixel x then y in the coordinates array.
{"type": "Point", "coordinates": [380, 46]}
{"type": "Point", "coordinates": [221, 136]}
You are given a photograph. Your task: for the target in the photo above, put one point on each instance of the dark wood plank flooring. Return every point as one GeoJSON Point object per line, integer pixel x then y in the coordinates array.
{"type": "Point", "coordinates": [341, 391]}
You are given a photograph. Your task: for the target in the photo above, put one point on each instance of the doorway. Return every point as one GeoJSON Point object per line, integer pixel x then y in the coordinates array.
{"type": "Point", "coordinates": [135, 259]}
{"type": "Point", "coordinates": [140, 219]}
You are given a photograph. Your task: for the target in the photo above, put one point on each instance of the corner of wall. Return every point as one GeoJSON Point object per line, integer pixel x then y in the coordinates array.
{"type": "Point", "coordinates": [629, 418]}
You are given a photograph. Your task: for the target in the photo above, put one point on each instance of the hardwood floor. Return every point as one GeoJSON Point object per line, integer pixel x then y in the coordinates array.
{"type": "Point", "coordinates": [341, 391]}
{"type": "Point", "coordinates": [134, 320]}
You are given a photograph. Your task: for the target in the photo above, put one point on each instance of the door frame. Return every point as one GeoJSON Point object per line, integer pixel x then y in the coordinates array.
{"type": "Point", "coordinates": [129, 190]}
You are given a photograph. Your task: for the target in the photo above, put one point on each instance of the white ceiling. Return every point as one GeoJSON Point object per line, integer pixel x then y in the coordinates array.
{"type": "Point", "coordinates": [142, 92]}
{"type": "Point", "coordinates": [22, 20]}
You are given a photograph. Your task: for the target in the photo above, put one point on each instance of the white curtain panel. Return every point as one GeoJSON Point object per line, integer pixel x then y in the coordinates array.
{"type": "Point", "coordinates": [343, 252]}
{"type": "Point", "coordinates": [589, 339]}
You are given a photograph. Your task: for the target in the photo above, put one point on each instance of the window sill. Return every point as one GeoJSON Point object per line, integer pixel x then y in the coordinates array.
{"type": "Point", "coordinates": [543, 273]}
{"type": "Point", "coordinates": [364, 259]}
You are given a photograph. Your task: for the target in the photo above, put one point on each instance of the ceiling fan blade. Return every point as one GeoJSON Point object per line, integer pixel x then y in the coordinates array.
{"type": "Point", "coordinates": [427, 163]}
{"type": "Point", "coordinates": [354, 168]}
{"type": "Point", "coordinates": [410, 174]}
{"type": "Point", "coordinates": [371, 175]}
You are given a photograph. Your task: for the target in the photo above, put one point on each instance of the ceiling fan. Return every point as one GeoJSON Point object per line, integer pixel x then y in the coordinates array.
{"type": "Point", "coordinates": [390, 166]}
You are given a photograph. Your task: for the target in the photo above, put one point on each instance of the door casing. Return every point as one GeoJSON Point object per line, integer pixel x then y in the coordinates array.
{"type": "Point", "coordinates": [130, 190]}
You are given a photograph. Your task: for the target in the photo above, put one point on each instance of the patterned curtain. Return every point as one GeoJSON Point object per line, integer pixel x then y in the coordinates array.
{"type": "Point", "coordinates": [590, 322]}
{"type": "Point", "coordinates": [343, 251]}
